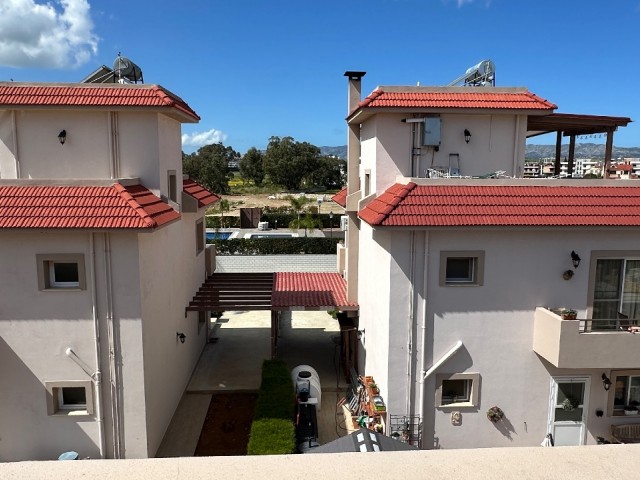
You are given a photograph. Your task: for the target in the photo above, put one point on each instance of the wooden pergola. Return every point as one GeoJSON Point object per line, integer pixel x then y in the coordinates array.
{"type": "Point", "coordinates": [278, 292]}
{"type": "Point", "coordinates": [572, 125]}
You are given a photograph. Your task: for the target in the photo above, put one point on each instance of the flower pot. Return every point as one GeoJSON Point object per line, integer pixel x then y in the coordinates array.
{"type": "Point", "coordinates": [631, 412]}
{"type": "Point", "coordinates": [569, 316]}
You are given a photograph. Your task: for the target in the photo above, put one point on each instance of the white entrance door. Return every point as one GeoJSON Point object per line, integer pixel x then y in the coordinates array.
{"type": "Point", "coordinates": [568, 410]}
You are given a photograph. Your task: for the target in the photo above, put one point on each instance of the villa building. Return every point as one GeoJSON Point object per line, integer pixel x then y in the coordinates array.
{"type": "Point", "coordinates": [461, 268]}
{"type": "Point", "coordinates": [103, 246]}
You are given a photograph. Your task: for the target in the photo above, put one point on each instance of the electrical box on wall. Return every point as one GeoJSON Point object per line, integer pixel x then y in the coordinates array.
{"type": "Point", "coordinates": [431, 131]}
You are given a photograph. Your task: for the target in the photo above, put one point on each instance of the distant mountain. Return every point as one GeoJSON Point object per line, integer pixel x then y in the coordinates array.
{"type": "Point", "coordinates": [340, 152]}
{"type": "Point", "coordinates": [535, 152]}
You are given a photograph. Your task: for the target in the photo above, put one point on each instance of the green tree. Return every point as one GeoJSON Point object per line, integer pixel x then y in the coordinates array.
{"type": "Point", "coordinates": [252, 166]}
{"type": "Point", "coordinates": [287, 162]}
{"type": "Point", "coordinates": [298, 204]}
{"type": "Point", "coordinates": [330, 173]}
{"type": "Point", "coordinates": [209, 166]}
{"type": "Point", "coordinates": [307, 222]}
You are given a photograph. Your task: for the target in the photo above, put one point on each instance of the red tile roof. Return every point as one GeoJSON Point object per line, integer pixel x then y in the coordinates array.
{"type": "Point", "coordinates": [309, 290]}
{"type": "Point", "coordinates": [466, 97]}
{"type": "Point", "coordinates": [341, 198]}
{"type": "Point", "coordinates": [81, 207]}
{"type": "Point", "coordinates": [414, 205]}
{"type": "Point", "coordinates": [197, 191]}
{"type": "Point", "coordinates": [91, 95]}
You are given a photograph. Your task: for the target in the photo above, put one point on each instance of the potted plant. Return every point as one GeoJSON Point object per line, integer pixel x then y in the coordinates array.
{"type": "Point", "coordinates": [631, 409]}
{"type": "Point", "coordinates": [374, 388]}
{"type": "Point", "coordinates": [495, 414]}
{"type": "Point", "coordinates": [568, 314]}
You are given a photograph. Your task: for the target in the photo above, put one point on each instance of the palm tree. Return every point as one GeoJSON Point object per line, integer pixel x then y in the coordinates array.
{"type": "Point", "coordinates": [307, 222]}
{"type": "Point", "coordinates": [223, 206]}
{"type": "Point", "coordinates": [297, 204]}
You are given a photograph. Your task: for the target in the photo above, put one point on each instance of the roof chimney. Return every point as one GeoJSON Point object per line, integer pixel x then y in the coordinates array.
{"type": "Point", "coordinates": [355, 89]}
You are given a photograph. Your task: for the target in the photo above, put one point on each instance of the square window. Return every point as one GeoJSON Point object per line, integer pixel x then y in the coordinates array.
{"type": "Point", "coordinates": [61, 271]}
{"type": "Point", "coordinates": [72, 397]}
{"type": "Point", "coordinates": [457, 389]}
{"type": "Point", "coordinates": [63, 274]}
{"type": "Point", "coordinates": [461, 268]}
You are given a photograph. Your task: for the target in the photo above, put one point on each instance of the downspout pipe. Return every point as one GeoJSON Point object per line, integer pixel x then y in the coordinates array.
{"type": "Point", "coordinates": [516, 149]}
{"type": "Point", "coordinates": [96, 336]}
{"type": "Point", "coordinates": [410, 323]}
{"type": "Point", "coordinates": [425, 278]}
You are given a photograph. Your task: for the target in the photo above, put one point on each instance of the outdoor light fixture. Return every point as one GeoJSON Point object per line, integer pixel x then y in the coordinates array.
{"type": "Point", "coordinates": [62, 137]}
{"type": "Point", "coordinates": [575, 258]}
{"type": "Point", "coordinates": [567, 274]}
{"type": "Point", "coordinates": [181, 336]}
{"type": "Point", "coordinates": [467, 135]}
{"type": "Point", "coordinates": [606, 383]}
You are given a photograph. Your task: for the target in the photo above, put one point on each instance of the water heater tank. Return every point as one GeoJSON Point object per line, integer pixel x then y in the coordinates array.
{"type": "Point", "coordinates": [305, 376]}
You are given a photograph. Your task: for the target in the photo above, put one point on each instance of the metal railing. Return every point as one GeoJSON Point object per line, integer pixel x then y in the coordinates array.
{"type": "Point", "coordinates": [608, 325]}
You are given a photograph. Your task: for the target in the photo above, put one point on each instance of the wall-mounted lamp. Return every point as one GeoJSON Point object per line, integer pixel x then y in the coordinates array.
{"type": "Point", "coordinates": [567, 274]}
{"type": "Point", "coordinates": [575, 259]}
{"type": "Point", "coordinates": [606, 383]}
{"type": "Point", "coordinates": [360, 333]}
{"type": "Point", "coordinates": [62, 137]}
{"type": "Point", "coordinates": [181, 336]}
{"type": "Point", "coordinates": [467, 135]}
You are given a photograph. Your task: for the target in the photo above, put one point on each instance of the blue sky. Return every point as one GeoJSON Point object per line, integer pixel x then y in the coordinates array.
{"type": "Point", "coordinates": [256, 68]}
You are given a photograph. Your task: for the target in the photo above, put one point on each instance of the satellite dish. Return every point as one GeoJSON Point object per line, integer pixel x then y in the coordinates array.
{"type": "Point", "coordinates": [127, 70]}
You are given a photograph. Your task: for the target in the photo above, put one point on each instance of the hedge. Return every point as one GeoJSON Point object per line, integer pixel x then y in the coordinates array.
{"type": "Point", "coordinates": [272, 430]}
{"type": "Point", "coordinates": [276, 246]}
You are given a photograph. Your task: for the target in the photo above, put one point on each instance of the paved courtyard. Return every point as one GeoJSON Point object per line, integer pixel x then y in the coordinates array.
{"type": "Point", "coordinates": [233, 362]}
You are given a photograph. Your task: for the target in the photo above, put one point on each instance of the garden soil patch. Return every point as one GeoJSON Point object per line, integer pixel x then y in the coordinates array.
{"type": "Point", "coordinates": [227, 425]}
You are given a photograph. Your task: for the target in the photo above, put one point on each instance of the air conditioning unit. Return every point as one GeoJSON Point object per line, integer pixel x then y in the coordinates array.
{"type": "Point", "coordinates": [344, 221]}
{"type": "Point", "coordinates": [263, 225]}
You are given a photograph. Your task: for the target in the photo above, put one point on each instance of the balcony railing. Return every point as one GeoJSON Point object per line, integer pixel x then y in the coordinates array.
{"type": "Point", "coordinates": [585, 343]}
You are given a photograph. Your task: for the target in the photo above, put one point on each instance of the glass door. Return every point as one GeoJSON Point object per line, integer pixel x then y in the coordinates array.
{"type": "Point", "coordinates": [568, 410]}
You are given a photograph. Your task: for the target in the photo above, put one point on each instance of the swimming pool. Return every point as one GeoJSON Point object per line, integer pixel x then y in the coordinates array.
{"type": "Point", "coordinates": [218, 235]}
{"type": "Point", "coordinates": [270, 235]}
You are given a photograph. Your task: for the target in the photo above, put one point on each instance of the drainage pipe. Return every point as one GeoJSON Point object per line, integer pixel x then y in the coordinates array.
{"type": "Point", "coordinates": [113, 370]}
{"type": "Point", "coordinates": [410, 322]}
{"type": "Point", "coordinates": [425, 278]}
{"type": "Point", "coordinates": [96, 336]}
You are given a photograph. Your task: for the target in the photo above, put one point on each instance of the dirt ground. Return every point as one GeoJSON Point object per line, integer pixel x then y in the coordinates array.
{"type": "Point", "coordinates": [237, 202]}
{"type": "Point", "coordinates": [227, 425]}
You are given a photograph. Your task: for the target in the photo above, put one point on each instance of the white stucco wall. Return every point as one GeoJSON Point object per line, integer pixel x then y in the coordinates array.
{"type": "Point", "coordinates": [374, 278]}
{"type": "Point", "coordinates": [139, 148]}
{"type": "Point", "coordinates": [36, 327]}
{"type": "Point", "coordinates": [522, 270]}
{"type": "Point", "coordinates": [85, 153]}
{"type": "Point", "coordinates": [170, 275]}
{"type": "Point", "coordinates": [386, 147]}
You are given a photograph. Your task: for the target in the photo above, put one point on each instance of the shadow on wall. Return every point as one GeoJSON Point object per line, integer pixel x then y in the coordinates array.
{"type": "Point", "coordinates": [28, 432]}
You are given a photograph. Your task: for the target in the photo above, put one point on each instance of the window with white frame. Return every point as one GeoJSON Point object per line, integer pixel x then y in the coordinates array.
{"type": "Point", "coordinates": [61, 272]}
{"type": "Point", "coordinates": [199, 236]}
{"type": "Point", "coordinates": [461, 268]}
{"type": "Point", "coordinates": [73, 397]}
{"type": "Point", "coordinates": [616, 290]}
{"type": "Point", "coordinates": [624, 392]}
{"type": "Point", "coordinates": [457, 389]}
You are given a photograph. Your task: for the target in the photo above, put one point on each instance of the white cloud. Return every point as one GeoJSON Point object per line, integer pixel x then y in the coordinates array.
{"type": "Point", "coordinates": [199, 139]}
{"type": "Point", "coordinates": [462, 2]}
{"type": "Point", "coordinates": [56, 34]}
